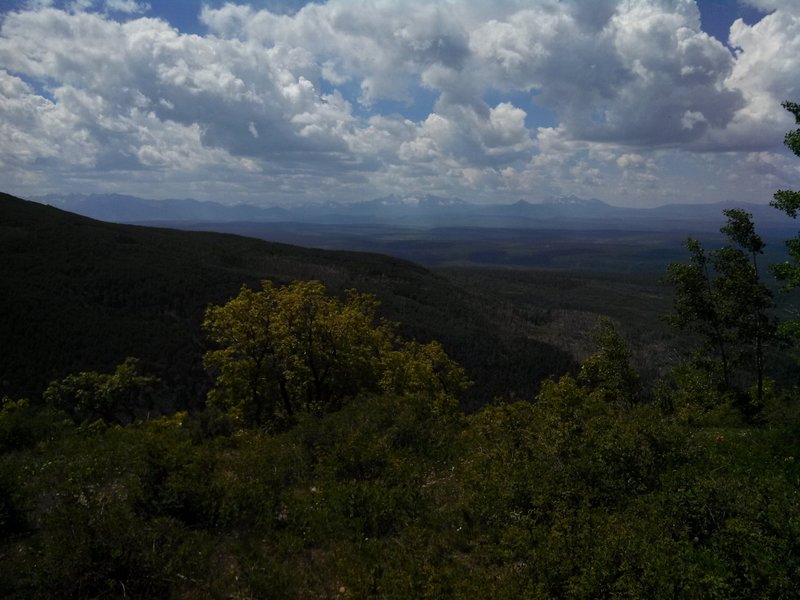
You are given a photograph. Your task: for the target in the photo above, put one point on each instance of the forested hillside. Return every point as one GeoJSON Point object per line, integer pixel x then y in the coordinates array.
{"type": "Point", "coordinates": [78, 294]}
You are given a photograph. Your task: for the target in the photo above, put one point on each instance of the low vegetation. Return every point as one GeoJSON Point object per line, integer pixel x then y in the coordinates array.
{"type": "Point", "coordinates": [591, 490]}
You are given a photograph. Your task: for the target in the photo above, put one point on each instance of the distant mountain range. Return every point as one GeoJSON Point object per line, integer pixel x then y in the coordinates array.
{"type": "Point", "coordinates": [120, 208]}
{"type": "Point", "coordinates": [569, 212]}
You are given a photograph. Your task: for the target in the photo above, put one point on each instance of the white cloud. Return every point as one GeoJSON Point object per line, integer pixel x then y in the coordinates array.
{"type": "Point", "coordinates": [383, 45]}
{"type": "Point", "coordinates": [222, 87]}
{"type": "Point", "coordinates": [127, 6]}
{"type": "Point", "coordinates": [467, 135]}
{"type": "Point", "coordinates": [769, 5]}
{"type": "Point", "coordinates": [629, 73]}
{"type": "Point", "coordinates": [35, 129]}
{"type": "Point", "coordinates": [300, 100]}
{"type": "Point", "coordinates": [631, 161]}
{"type": "Point", "coordinates": [766, 72]}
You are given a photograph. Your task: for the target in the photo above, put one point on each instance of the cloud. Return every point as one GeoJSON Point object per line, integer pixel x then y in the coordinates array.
{"type": "Point", "coordinates": [382, 45]}
{"type": "Point", "coordinates": [769, 5]}
{"type": "Point", "coordinates": [766, 72]}
{"type": "Point", "coordinates": [469, 136]}
{"type": "Point", "coordinates": [36, 129]}
{"type": "Point", "coordinates": [775, 168]}
{"type": "Point", "coordinates": [224, 88]}
{"type": "Point", "coordinates": [632, 161]}
{"type": "Point", "coordinates": [329, 95]}
{"type": "Point", "coordinates": [127, 6]}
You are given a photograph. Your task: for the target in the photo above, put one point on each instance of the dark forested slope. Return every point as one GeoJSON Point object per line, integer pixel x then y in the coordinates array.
{"type": "Point", "coordinates": [78, 294]}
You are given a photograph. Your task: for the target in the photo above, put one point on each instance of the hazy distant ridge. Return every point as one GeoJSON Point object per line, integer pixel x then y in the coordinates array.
{"type": "Point", "coordinates": [120, 208]}
{"type": "Point", "coordinates": [411, 210]}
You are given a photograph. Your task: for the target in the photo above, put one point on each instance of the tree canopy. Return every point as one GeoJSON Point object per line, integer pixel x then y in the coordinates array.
{"type": "Point", "coordinates": [721, 297]}
{"type": "Point", "coordinates": [295, 349]}
{"type": "Point", "coordinates": [788, 201]}
{"type": "Point", "coordinates": [112, 397]}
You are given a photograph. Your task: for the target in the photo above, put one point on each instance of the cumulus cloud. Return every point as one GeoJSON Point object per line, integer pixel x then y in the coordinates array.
{"type": "Point", "coordinates": [34, 128]}
{"type": "Point", "coordinates": [298, 99]}
{"type": "Point", "coordinates": [766, 72]}
{"type": "Point", "coordinates": [636, 73]}
{"type": "Point", "coordinates": [127, 6]}
{"type": "Point", "coordinates": [464, 134]}
{"type": "Point", "coordinates": [226, 89]}
{"type": "Point", "coordinates": [382, 46]}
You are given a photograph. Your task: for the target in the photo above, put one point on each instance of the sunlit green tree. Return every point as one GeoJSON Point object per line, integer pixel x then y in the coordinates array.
{"type": "Point", "coordinates": [285, 350]}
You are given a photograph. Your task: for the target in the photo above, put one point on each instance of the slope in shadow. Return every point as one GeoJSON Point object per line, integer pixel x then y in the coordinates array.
{"type": "Point", "coordinates": [79, 294]}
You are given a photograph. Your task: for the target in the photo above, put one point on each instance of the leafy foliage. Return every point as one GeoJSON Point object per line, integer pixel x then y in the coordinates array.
{"type": "Point", "coordinates": [114, 397]}
{"type": "Point", "coordinates": [590, 491]}
{"type": "Point", "coordinates": [720, 296]}
{"type": "Point", "coordinates": [609, 372]}
{"type": "Point", "coordinates": [295, 349]}
{"type": "Point", "coordinates": [788, 201]}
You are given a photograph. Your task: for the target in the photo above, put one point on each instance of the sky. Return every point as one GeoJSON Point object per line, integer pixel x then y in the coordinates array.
{"type": "Point", "coordinates": [635, 102]}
